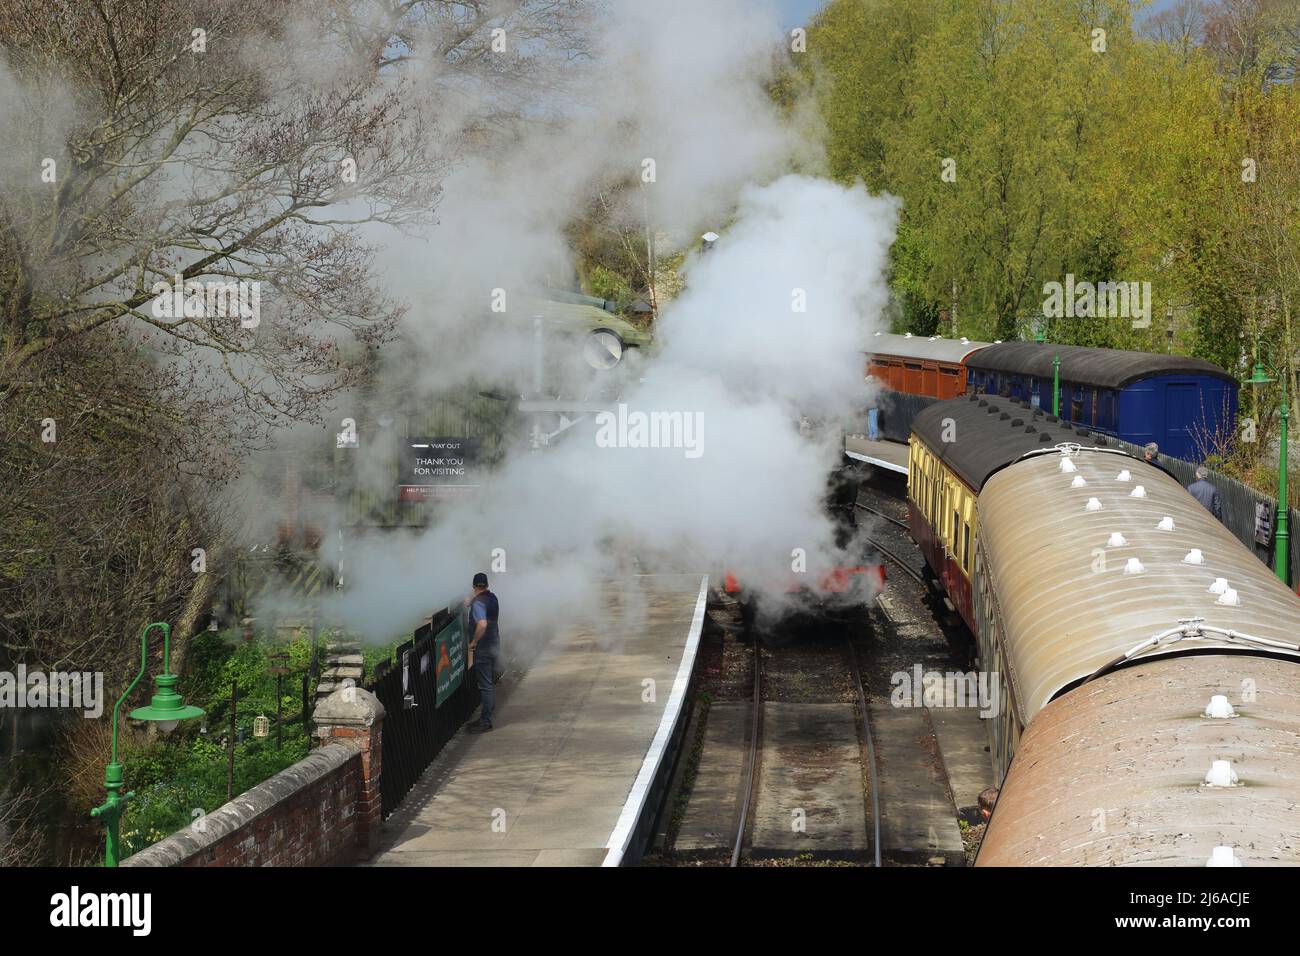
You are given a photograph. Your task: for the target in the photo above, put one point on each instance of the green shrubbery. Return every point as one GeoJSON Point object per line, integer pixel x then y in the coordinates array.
{"type": "Point", "coordinates": [179, 778]}
{"type": "Point", "coordinates": [605, 283]}
{"type": "Point", "coordinates": [176, 783]}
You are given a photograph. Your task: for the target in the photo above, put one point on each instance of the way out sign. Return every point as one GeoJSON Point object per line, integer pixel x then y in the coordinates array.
{"type": "Point", "coordinates": [438, 466]}
{"type": "Point", "coordinates": [449, 653]}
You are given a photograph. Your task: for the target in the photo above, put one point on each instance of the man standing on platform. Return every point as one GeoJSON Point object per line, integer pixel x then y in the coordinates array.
{"type": "Point", "coordinates": [1206, 493]}
{"type": "Point", "coordinates": [484, 646]}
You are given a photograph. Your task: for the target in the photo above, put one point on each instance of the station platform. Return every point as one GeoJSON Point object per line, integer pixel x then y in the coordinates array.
{"type": "Point", "coordinates": [566, 776]}
{"type": "Point", "coordinates": [890, 455]}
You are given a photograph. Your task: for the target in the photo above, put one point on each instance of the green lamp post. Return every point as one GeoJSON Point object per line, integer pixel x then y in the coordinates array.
{"type": "Point", "coordinates": [1041, 338]}
{"type": "Point", "coordinates": [166, 709]}
{"type": "Point", "coordinates": [1282, 539]}
{"type": "Point", "coordinates": [1056, 385]}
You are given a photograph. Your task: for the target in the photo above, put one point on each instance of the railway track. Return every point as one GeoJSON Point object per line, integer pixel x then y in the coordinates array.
{"type": "Point", "coordinates": [892, 556]}
{"type": "Point", "coordinates": [751, 766]}
{"type": "Point", "coordinates": [873, 780]}
{"type": "Point", "coordinates": [875, 511]}
{"type": "Point", "coordinates": [785, 713]}
{"type": "Point", "coordinates": [887, 551]}
{"type": "Point", "coordinates": [913, 623]}
{"type": "Point", "coordinates": [798, 755]}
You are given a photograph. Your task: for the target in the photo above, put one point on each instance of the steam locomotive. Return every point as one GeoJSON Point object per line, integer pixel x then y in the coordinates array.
{"type": "Point", "coordinates": [839, 595]}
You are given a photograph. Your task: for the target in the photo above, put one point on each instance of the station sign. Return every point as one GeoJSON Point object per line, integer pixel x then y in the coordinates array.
{"type": "Point", "coordinates": [449, 655]}
{"type": "Point", "coordinates": [1263, 522]}
{"type": "Point", "coordinates": [437, 467]}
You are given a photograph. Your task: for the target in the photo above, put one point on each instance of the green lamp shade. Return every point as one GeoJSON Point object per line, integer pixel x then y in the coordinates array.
{"type": "Point", "coordinates": [167, 707]}
{"type": "Point", "coordinates": [1260, 377]}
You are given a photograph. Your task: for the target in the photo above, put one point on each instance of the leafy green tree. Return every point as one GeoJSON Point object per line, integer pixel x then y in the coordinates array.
{"type": "Point", "coordinates": [985, 118]}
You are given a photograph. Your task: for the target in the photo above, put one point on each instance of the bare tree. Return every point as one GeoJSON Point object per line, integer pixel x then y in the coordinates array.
{"type": "Point", "coordinates": [22, 840]}
{"type": "Point", "coordinates": [264, 142]}
{"type": "Point", "coordinates": [194, 157]}
{"type": "Point", "coordinates": [1257, 39]}
{"type": "Point", "coordinates": [1181, 26]}
{"type": "Point", "coordinates": [236, 140]}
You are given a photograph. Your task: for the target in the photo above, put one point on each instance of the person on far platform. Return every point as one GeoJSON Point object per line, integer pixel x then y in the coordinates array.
{"type": "Point", "coordinates": [1151, 455]}
{"type": "Point", "coordinates": [484, 646]}
{"type": "Point", "coordinates": [1203, 491]}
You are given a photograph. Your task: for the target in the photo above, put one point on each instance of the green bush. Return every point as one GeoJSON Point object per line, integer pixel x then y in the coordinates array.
{"type": "Point", "coordinates": [607, 284]}
{"type": "Point", "coordinates": [177, 783]}
{"type": "Point", "coordinates": [179, 778]}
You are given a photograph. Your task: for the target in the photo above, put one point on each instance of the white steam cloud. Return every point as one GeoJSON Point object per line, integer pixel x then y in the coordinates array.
{"type": "Point", "coordinates": [675, 87]}
{"type": "Point", "coordinates": [736, 354]}
{"type": "Point", "coordinates": [770, 325]}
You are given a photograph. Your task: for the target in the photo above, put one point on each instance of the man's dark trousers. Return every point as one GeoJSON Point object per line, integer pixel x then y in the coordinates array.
{"type": "Point", "coordinates": [485, 657]}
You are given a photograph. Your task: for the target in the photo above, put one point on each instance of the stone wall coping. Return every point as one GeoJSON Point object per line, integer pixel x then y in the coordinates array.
{"type": "Point", "coordinates": [348, 707]}
{"type": "Point", "coordinates": [247, 807]}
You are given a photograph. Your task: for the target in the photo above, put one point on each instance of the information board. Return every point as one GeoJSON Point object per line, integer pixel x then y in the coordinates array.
{"type": "Point", "coordinates": [436, 467]}
{"type": "Point", "coordinates": [449, 653]}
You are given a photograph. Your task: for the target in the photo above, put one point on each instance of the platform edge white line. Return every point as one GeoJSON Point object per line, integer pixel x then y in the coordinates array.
{"type": "Point", "coordinates": [879, 462]}
{"type": "Point", "coordinates": [618, 841]}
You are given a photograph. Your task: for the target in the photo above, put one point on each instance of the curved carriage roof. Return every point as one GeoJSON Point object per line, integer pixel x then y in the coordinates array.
{"type": "Point", "coordinates": [1112, 773]}
{"type": "Point", "coordinates": [988, 433]}
{"type": "Point", "coordinates": [1067, 605]}
{"type": "Point", "coordinates": [1107, 368]}
{"type": "Point", "coordinates": [921, 347]}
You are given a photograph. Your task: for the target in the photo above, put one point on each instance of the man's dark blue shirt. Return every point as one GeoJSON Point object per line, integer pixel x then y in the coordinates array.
{"type": "Point", "coordinates": [485, 608]}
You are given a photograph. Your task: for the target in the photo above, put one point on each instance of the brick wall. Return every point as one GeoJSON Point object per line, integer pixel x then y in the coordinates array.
{"type": "Point", "coordinates": [322, 811]}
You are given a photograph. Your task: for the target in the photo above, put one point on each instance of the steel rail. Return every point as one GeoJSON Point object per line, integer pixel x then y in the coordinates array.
{"type": "Point", "coordinates": [871, 753]}
{"type": "Point", "coordinates": [755, 745]}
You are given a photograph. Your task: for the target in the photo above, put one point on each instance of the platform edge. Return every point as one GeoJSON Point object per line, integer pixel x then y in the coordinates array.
{"type": "Point", "coordinates": [635, 806]}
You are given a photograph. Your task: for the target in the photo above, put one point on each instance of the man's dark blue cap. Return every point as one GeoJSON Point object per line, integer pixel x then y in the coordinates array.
{"type": "Point", "coordinates": [480, 580]}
